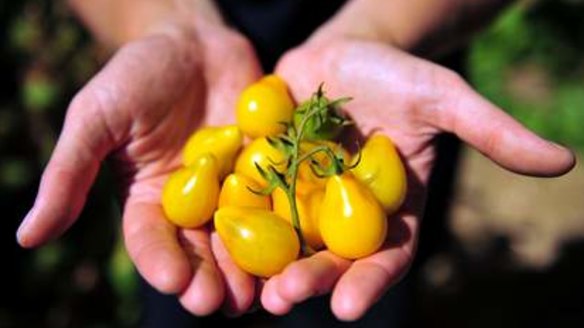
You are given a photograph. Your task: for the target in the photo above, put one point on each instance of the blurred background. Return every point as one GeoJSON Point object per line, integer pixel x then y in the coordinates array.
{"type": "Point", "coordinates": [507, 252]}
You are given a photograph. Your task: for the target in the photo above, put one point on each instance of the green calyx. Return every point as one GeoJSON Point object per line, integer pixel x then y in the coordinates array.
{"type": "Point", "coordinates": [326, 121]}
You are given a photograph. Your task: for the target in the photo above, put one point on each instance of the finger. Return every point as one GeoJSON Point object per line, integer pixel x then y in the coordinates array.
{"type": "Point", "coordinates": [152, 245]}
{"type": "Point", "coordinates": [369, 278]}
{"type": "Point", "coordinates": [271, 299]}
{"type": "Point", "coordinates": [311, 276]}
{"type": "Point", "coordinates": [239, 285]}
{"type": "Point", "coordinates": [205, 293]}
{"type": "Point", "coordinates": [231, 65]}
{"type": "Point", "coordinates": [66, 180]}
{"type": "Point", "coordinates": [366, 281]}
{"type": "Point", "coordinates": [493, 132]}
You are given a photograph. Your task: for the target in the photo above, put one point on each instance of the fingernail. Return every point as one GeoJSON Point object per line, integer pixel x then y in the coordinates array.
{"type": "Point", "coordinates": [21, 232]}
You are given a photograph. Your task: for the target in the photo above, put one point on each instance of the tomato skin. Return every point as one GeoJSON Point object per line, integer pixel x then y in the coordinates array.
{"type": "Point", "coordinates": [382, 170]}
{"type": "Point", "coordinates": [261, 152]}
{"type": "Point", "coordinates": [236, 192]}
{"type": "Point", "coordinates": [308, 200]}
{"type": "Point", "coordinates": [352, 222]}
{"type": "Point", "coordinates": [223, 142]}
{"type": "Point", "coordinates": [259, 241]}
{"type": "Point", "coordinates": [263, 106]}
{"type": "Point", "coordinates": [275, 82]}
{"type": "Point", "coordinates": [190, 194]}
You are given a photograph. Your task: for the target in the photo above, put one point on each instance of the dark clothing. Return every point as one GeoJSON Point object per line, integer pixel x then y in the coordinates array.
{"type": "Point", "coordinates": [274, 26]}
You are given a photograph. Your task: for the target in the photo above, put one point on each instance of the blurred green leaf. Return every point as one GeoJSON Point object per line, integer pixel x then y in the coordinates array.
{"type": "Point", "coordinates": [38, 94]}
{"type": "Point", "coordinates": [15, 173]}
{"type": "Point", "coordinates": [121, 270]}
{"type": "Point", "coordinates": [571, 105]}
{"type": "Point", "coordinates": [123, 278]}
{"type": "Point", "coordinates": [47, 258]}
{"type": "Point", "coordinates": [66, 38]}
{"type": "Point", "coordinates": [24, 34]}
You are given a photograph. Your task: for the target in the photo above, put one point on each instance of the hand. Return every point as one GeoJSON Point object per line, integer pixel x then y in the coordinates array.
{"type": "Point", "coordinates": [139, 110]}
{"type": "Point", "coordinates": [412, 101]}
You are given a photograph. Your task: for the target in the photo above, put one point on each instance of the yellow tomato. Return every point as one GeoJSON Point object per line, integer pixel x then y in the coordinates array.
{"type": "Point", "coordinates": [261, 152]}
{"type": "Point", "coordinates": [276, 82]}
{"type": "Point", "coordinates": [308, 199]}
{"type": "Point", "coordinates": [263, 106]}
{"type": "Point", "coordinates": [190, 194]}
{"type": "Point", "coordinates": [223, 142]}
{"type": "Point", "coordinates": [382, 170]}
{"type": "Point", "coordinates": [352, 222]}
{"type": "Point", "coordinates": [304, 170]}
{"type": "Point", "coordinates": [259, 241]}
{"type": "Point", "coordinates": [236, 192]}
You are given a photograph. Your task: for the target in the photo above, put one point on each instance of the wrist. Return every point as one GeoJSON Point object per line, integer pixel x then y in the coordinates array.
{"type": "Point", "coordinates": [347, 27]}
{"type": "Point", "coordinates": [400, 23]}
{"type": "Point", "coordinates": [116, 22]}
{"type": "Point", "coordinates": [426, 27]}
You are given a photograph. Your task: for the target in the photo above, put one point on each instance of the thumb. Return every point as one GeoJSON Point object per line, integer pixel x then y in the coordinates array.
{"type": "Point", "coordinates": [496, 134]}
{"type": "Point", "coordinates": [136, 82]}
{"type": "Point", "coordinates": [83, 143]}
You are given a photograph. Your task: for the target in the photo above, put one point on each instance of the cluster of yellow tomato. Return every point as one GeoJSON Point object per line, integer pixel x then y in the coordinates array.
{"type": "Point", "coordinates": [219, 179]}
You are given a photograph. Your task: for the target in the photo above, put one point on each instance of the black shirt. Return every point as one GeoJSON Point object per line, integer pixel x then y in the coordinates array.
{"type": "Point", "coordinates": [274, 26]}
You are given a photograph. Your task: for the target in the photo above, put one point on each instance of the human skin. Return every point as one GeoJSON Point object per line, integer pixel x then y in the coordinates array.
{"type": "Point", "coordinates": [179, 67]}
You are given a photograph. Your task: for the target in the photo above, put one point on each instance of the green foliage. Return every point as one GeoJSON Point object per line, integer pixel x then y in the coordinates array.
{"type": "Point", "coordinates": [48, 258]}
{"type": "Point", "coordinates": [39, 94]}
{"type": "Point", "coordinates": [15, 173]}
{"type": "Point", "coordinates": [24, 34]}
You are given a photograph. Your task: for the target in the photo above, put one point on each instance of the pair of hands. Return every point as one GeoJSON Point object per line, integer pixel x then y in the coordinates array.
{"type": "Point", "coordinates": [140, 109]}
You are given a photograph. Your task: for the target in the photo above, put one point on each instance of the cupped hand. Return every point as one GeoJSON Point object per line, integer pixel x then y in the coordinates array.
{"type": "Point", "coordinates": [138, 111]}
{"type": "Point", "coordinates": [412, 101]}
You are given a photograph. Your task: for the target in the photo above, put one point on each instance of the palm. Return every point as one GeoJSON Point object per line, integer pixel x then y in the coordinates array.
{"type": "Point", "coordinates": [159, 129]}
{"type": "Point", "coordinates": [411, 101]}
{"type": "Point", "coordinates": [191, 97]}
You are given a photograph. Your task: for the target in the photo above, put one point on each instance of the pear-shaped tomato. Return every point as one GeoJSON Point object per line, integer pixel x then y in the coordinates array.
{"type": "Point", "coordinates": [237, 191]}
{"type": "Point", "coordinates": [308, 200]}
{"type": "Point", "coordinates": [259, 241]}
{"type": "Point", "coordinates": [261, 152]}
{"type": "Point", "coordinates": [223, 142]}
{"type": "Point", "coordinates": [190, 194]}
{"type": "Point", "coordinates": [382, 170]}
{"type": "Point", "coordinates": [263, 107]}
{"type": "Point", "coordinates": [352, 222]}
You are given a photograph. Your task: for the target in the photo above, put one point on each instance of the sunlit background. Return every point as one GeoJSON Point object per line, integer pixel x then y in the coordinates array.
{"type": "Point", "coordinates": [510, 252]}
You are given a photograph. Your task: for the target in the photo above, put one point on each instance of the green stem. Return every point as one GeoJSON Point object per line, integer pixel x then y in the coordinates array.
{"type": "Point", "coordinates": [312, 152]}
{"type": "Point", "coordinates": [296, 158]}
{"type": "Point", "coordinates": [305, 248]}
{"type": "Point", "coordinates": [291, 192]}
